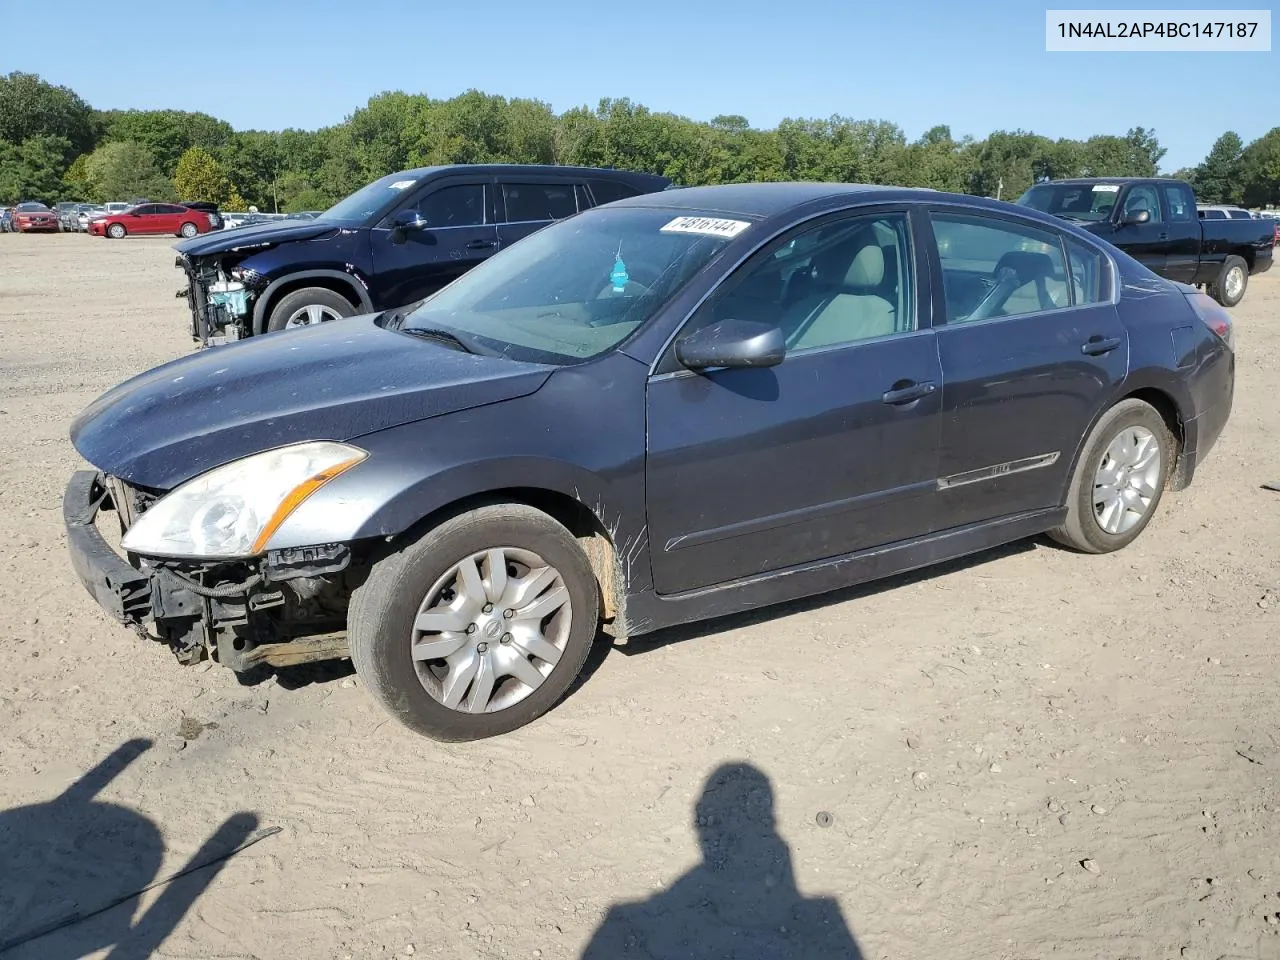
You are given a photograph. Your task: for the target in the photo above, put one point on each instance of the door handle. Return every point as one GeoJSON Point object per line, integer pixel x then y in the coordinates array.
{"type": "Point", "coordinates": [907, 391]}
{"type": "Point", "coordinates": [482, 244]}
{"type": "Point", "coordinates": [1097, 346]}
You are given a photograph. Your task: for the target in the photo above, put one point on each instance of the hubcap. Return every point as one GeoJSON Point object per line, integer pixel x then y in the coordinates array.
{"type": "Point", "coordinates": [188, 231]}
{"type": "Point", "coordinates": [1235, 282]}
{"type": "Point", "coordinates": [1127, 480]}
{"type": "Point", "coordinates": [312, 313]}
{"type": "Point", "coordinates": [491, 630]}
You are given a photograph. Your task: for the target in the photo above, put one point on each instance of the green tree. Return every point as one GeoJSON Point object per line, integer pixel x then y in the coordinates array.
{"type": "Point", "coordinates": [1260, 170]}
{"type": "Point", "coordinates": [33, 169]}
{"type": "Point", "coordinates": [1218, 178]}
{"type": "Point", "coordinates": [167, 134]}
{"type": "Point", "coordinates": [30, 107]}
{"type": "Point", "coordinates": [200, 177]}
{"type": "Point", "coordinates": [123, 170]}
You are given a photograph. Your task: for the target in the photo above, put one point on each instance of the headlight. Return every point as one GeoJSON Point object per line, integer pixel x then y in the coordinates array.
{"type": "Point", "coordinates": [234, 510]}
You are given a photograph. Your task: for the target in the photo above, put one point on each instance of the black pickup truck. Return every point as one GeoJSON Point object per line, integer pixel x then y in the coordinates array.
{"type": "Point", "coordinates": [1155, 221]}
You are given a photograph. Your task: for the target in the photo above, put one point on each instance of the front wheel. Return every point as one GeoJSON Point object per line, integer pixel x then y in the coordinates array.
{"type": "Point", "coordinates": [308, 307]}
{"type": "Point", "coordinates": [189, 230]}
{"type": "Point", "coordinates": [1118, 481]}
{"type": "Point", "coordinates": [116, 231]}
{"type": "Point", "coordinates": [479, 627]}
{"type": "Point", "coordinates": [1232, 281]}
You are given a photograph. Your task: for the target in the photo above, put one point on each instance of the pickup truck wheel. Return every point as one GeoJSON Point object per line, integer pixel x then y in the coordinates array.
{"type": "Point", "coordinates": [309, 306]}
{"type": "Point", "coordinates": [477, 628]}
{"type": "Point", "coordinates": [1118, 480]}
{"type": "Point", "coordinates": [116, 231]}
{"type": "Point", "coordinates": [1232, 280]}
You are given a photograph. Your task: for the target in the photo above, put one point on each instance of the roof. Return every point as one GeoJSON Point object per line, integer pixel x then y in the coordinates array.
{"type": "Point", "coordinates": [760, 199]}
{"type": "Point", "coordinates": [532, 168]}
{"type": "Point", "coordinates": [1084, 180]}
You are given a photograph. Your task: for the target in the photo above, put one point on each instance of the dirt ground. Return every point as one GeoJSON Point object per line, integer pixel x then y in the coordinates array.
{"type": "Point", "coordinates": [1029, 754]}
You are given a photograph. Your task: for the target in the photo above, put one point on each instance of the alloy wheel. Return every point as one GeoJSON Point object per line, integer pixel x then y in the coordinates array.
{"type": "Point", "coordinates": [491, 630]}
{"type": "Point", "coordinates": [1127, 479]}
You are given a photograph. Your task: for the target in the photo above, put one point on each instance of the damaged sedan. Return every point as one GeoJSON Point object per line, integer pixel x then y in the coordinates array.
{"type": "Point", "coordinates": [393, 242]}
{"type": "Point", "coordinates": [674, 407]}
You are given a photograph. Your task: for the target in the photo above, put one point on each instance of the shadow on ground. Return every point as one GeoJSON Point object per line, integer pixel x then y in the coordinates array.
{"type": "Point", "coordinates": [69, 870]}
{"type": "Point", "coordinates": [740, 902]}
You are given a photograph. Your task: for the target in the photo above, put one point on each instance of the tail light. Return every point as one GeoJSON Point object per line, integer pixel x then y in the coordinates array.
{"type": "Point", "coordinates": [213, 219]}
{"type": "Point", "coordinates": [1214, 316]}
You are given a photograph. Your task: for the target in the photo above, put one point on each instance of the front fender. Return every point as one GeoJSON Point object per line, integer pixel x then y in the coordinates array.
{"type": "Point", "coordinates": [581, 435]}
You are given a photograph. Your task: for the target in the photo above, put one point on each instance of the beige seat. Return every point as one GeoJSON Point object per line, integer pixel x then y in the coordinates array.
{"type": "Point", "coordinates": [857, 312]}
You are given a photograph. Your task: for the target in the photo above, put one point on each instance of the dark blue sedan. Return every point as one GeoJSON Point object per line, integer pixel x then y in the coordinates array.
{"type": "Point", "coordinates": [661, 410]}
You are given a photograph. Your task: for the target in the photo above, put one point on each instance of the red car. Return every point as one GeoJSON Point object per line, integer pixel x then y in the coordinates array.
{"type": "Point", "coordinates": [153, 218]}
{"type": "Point", "coordinates": [34, 218]}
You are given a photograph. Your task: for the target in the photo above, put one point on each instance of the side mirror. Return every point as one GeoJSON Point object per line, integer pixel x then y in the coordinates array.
{"type": "Point", "coordinates": [1135, 218]}
{"type": "Point", "coordinates": [732, 343]}
{"type": "Point", "coordinates": [402, 221]}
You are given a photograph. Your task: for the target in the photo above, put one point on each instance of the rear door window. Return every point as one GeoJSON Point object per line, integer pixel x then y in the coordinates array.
{"type": "Point", "coordinates": [539, 201]}
{"type": "Point", "coordinates": [995, 268]}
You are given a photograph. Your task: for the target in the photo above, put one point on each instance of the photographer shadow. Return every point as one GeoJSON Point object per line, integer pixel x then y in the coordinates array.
{"type": "Point", "coordinates": [740, 902]}
{"type": "Point", "coordinates": [71, 870]}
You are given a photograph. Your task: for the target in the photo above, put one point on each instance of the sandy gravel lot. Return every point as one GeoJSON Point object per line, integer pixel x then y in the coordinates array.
{"type": "Point", "coordinates": [942, 751]}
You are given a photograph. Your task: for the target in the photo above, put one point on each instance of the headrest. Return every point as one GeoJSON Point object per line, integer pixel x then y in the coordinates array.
{"type": "Point", "coordinates": [867, 268]}
{"type": "Point", "coordinates": [1026, 266]}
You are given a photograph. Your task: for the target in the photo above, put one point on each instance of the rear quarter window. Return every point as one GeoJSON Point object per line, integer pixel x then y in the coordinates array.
{"type": "Point", "coordinates": [607, 191]}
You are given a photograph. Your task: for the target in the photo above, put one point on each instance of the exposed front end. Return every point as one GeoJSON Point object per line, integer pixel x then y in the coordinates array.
{"type": "Point", "coordinates": [282, 608]}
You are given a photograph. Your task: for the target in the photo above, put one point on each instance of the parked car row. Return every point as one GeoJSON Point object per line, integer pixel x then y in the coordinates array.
{"type": "Point", "coordinates": [675, 406]}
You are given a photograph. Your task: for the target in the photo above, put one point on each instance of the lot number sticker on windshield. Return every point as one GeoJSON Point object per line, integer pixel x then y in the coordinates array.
{"type": "Point", "coordinates": [403, 184]}
{"type": "Point", "coordinates": [1106, 188]}
{"type": "Point", "coordinates": [707, 226]}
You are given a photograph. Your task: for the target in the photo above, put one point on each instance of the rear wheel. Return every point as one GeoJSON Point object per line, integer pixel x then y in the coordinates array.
{"type": "Point", "coordinates": [189, 230]}
{"type": "Point", "coordinates": [479, 627]}
{"type": "Point", "coordinates": [307, 307]}
{"type": "Point", "coordinates": [1118, 480]}
{"type": "Point", "coordinates": [116, 231]}
{"type": "Point", "coordinates": [1232, 281]}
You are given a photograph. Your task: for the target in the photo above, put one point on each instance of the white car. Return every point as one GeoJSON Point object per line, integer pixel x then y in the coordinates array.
{"type": "Point", "coordinates": [93, 213]}
{"type": "Point", "coordinates": [115, 207]}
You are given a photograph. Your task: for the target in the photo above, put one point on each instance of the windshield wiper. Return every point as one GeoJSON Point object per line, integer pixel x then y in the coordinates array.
{"type": "Point", "coordinates": [440, 335]}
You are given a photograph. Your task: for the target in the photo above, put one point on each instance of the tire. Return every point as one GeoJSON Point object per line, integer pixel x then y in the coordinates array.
{"type": "Point", "coordinates": [384, 609]}
{"type": "Point", "coordinates": [1232, 281]}
{"type": "Point", "coordinates": [188, 230]}
{"type": "Point", "coordinates": [1083, 528]}
{"type": "Point", "coordinates": [328, 301]}
{"type": "Point", "coordinates": [116, 231]}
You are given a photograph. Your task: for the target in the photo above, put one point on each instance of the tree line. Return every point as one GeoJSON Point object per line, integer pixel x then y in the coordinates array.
{"type": "Point", "coordinates": [54, 146]}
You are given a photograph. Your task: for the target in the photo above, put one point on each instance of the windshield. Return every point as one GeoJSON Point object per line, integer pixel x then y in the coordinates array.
{"type": "Point", "coordinates": [575, 289]}
{"type": "Point", "coordinates": [368, 200]}
{"type": "Point", "coordinates": [1074, 201]}
{"type": "Point", "coordinates": [32, 208]}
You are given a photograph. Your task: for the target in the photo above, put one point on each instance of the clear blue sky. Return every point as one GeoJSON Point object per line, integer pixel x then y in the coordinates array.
{"type": "Point", "coordinates": [978, 65]}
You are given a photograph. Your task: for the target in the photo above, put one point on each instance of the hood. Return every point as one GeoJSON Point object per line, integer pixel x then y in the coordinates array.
{"type": "Point", "coordinates": [336, 381]}
{"type": "Point", "coordinates": [261, 235]}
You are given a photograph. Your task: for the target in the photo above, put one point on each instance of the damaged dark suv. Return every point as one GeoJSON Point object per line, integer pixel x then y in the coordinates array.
{"type": "Point", "coordinates": [391, 243]}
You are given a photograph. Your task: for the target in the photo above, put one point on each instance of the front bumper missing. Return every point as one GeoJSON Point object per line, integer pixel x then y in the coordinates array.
{"type": "Point", "coordinates": [123, 591]}
{"type": "Point", "coordinates": [189, 623]}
